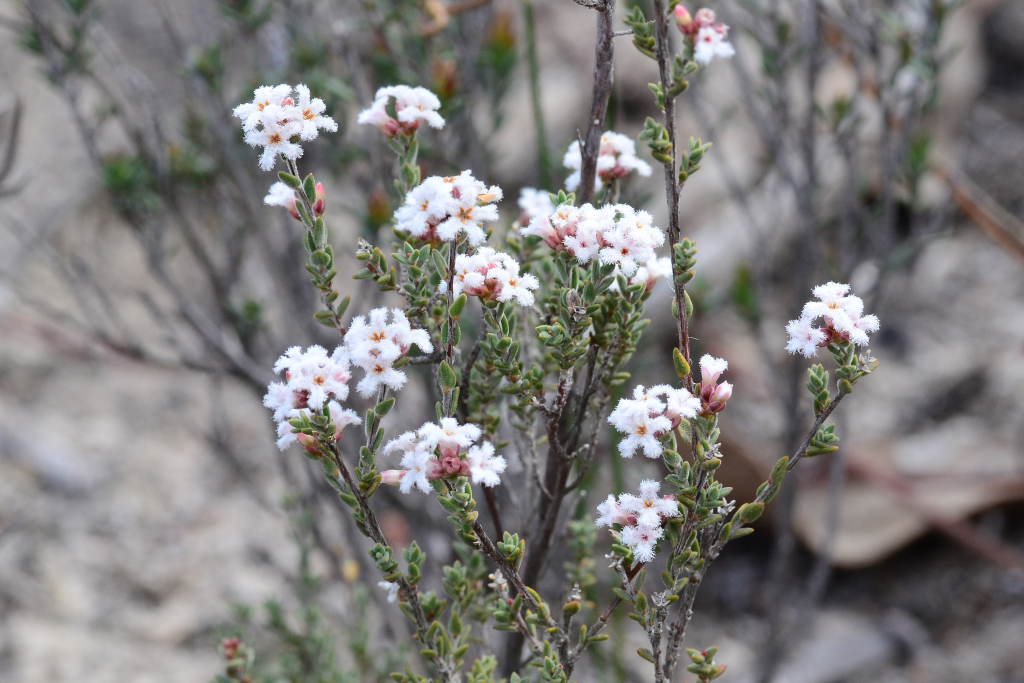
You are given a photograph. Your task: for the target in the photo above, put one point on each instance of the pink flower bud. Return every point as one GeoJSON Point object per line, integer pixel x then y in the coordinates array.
{"type": "Point", "coordinates": [705, 17]}
{"type": "Point", "coordinates": [683, 19]}
{"type": "Point", "coordinates": [308, 441]}
{"type": "Point", "coordinates": [318, 208]}
{"type": "Point", "coordinates": [722, 393]}
{"type": "Point", "coordinates": [392, 477]}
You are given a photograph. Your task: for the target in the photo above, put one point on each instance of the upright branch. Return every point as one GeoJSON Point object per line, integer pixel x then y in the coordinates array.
{"type": "Point", "coordinates": [604, 66]}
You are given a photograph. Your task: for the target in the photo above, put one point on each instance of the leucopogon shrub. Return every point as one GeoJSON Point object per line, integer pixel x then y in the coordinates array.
{"type": "Point", "coordinates": [561, 301]}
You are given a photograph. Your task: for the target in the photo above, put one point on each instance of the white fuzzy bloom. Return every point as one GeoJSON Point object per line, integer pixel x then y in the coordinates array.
{"type": "Point", "coordinates": [535, 204]}
{"type": "Point", "coordinates": [844, 320]}
{"type": "Point", "coordinates": [413, 106]}
{"type": "Point", "coordinates": [311, 112]}
{"type": "Point", "coordinates": [312, 378]}
{"type": "Point", "coordinates": [279, 126]}
{"type": "Point", "coordinates": [650, 273]}
{"type": "Point", "coordinates": [444, 450]}
{"type": "Point", "coordinates": [484, 466]}
{"type": "Point", "coordinates": [449, 437]}
{"type": "Point", "coordinates": [611, 513]}
{"type": "Point", "coordinates": [632, 241]}
{"type": "Point", "coordinates": [264, 96]}
{"type": "Point", "coordinates": [315, 374]}
{"type": "Point", "coordinates": [648, 507]}
{"type": "Point", "coordinates": [418, 465]}
{"type": "Point", "coordinates": [616, 159]}
{"type": "Point", "coordinates": [642, 541]}
{"type": "Point", "coordinates": [280, 195]}
{"type": "Point", "coordinates": [439, 209]}
{"type": "Point", "coordinates": [273, 119]}
{"type": "Point", "coordinates": [711, 42]}
{"type": "Point", "coordinates": [373, 344]}
{"type": "Point", "coordinates": [804, 337]}
{"type": "Point", "coordinates": [679, 403]}
{"type": "Point", "coordinates": [642, 420]}
{"type": "Point", "coordinates": [391, 588]}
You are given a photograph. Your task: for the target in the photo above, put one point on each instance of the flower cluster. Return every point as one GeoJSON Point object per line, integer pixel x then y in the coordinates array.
{"type": "Point", "coordinates": [312, 379]}
{"type": "Point", "coordinates": [275, 118]}
{"type": "Point", "coordinates": [493, 276]}
{"type": "Point", "coordinates": [534, 203]}
{"type": "Point", "coordinates": [616, 158]}
{"type": "Point", "coordinates": [440, 208]}
{"type": "Point", "coordinates": [373, 345]}
{"type": "Point", "coordinates": [616, 234]}
{"type": "Point", "coordinates": [645, 418]}
{"type": "Point", "coordinates": [713, 395]}
{"type": "Point", "coordinates": [710, 40]}
{"type": "Point", "coordinates": [413, 106]}
{"type": "Point", "coordinates": [641, 518]}
{"type": "Point", "coordinates": [281, 194]}
{"type": "Point", "coordinates": [442, 451]}
{"type": "Point", "coordinates": [844, 321]}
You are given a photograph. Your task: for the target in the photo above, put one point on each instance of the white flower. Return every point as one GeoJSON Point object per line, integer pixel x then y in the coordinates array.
{"type": "Point", "coordinates": [341, 417]}
{"type": "Point", "coordinates": [632, 241]}
{"type": "Point", "coordinates": [804, 337]}
{"type": "Point", "coordinates": [413, 106]}
{"type": "Point", "coordinates": [484, 466]}
{"type": "Point", "coordinates": [391, 588]}
{"type": "Point", "coordinates": [641, 419]}
{"type": "Point", "coordinates": [535, 204]}
{"type": "Point", "coordinates": [648, 507]}
{"type": "Point", "coordinates": [448, 436]}
{"type": "Point", "coordinates": [710, 42]}
{"type": "Point", "coordinates": [375, 345]}
{"type": "Point", "coordinates": [616, 158]}
{"type": "Point", "coordinates": [679, 403]}
{"type": "Point", "coordinates": [280, 195]}
{"type": "Point", "coordinates": [861, 326]}
{"type": "Point", "coordinates": [312, 118]}
{"type": "Point", "coordinates": [641, 540]}
{"type": "Point", "coordinates": [611, 513]}
{"type": "Point", "coordinates": [649, 274]}
{"type": "Point", "coordinates": [418, 464]}
{"type": "Point", "coordinates": [279, 126]}
{"type": "Point", "coordinates": [438, 209]}
{"type": "Point", "coordinates": [513, 285]}
{"type": "Point", "coordinates": [315, 374]}
{"type": "Point", "coordinates": [711, 369]}
{"type": "Point", "coordinates": [844, 319]}
{"type": "Point", "coordinates": [251, 113]}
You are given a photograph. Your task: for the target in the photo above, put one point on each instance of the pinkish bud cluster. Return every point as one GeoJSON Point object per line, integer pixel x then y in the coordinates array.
{"type": "Point", "coordinates": [709, 39]}
{"type": "Point", "coordinates": [641, 518]}
{"type": "Point", "coordinates": [413, 106]}
{"type": "Point", "coordinates": [616, 159]}
{"type": "Point", "coordinates": [443, 451]}
{"type": "Point", "coordinates": [713, 396]}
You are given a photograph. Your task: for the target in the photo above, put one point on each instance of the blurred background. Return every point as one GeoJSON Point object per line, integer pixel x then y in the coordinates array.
{"type": "Point", "coordinates": [145, 512]}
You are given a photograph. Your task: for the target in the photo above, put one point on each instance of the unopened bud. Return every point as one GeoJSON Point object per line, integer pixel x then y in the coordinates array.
{"type": "Point", "coordinates": [705, 17]}
{"type": "Point", "coordinates": [308, 441]}
{"type": "Point", "coordinates": [392, 477]}
{"type": "Point", "coordinates": [683, 18]}
{"type": "Point", "coordinates": [722, 392]}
